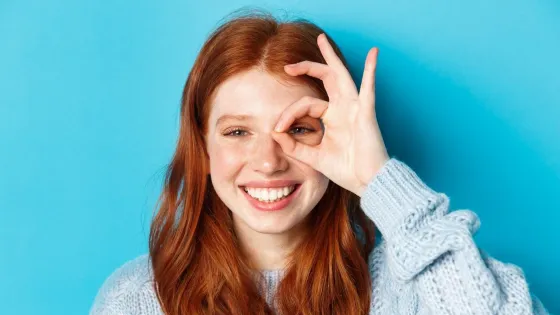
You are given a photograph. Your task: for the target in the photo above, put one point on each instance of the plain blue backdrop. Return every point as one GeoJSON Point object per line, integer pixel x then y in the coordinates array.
{"type": "Point", "coordinates": [468, 95]}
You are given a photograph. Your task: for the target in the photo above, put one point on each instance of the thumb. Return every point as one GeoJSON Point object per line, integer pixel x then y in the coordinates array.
{"type": "Point", "coordinates": [297, 150]}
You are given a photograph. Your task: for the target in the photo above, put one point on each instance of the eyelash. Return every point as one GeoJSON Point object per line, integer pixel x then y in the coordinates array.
{"type": "Point", "coordinates": [229, 133]}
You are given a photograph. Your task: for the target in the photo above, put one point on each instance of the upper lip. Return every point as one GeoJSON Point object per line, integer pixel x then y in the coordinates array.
{"type": "Point", "coordinates": [270, 183]}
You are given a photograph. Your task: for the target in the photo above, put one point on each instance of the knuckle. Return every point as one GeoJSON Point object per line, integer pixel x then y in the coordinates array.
{"type": "Point", "coordinates": [302, 65]}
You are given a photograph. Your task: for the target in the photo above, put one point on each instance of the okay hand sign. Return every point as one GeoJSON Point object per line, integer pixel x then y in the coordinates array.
{"type": "Point", "coordinates": [352, 149]}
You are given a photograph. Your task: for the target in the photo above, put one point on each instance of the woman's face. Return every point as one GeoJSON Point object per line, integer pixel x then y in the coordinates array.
{"type": "Point", "coordinates": [249, 170]}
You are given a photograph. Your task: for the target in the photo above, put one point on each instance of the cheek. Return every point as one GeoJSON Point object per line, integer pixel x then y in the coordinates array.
{"type": "Point", "coordinates": [320, 185]}
{"type": "Point", "coordinates": [312, 139]}
{"type": "Point", "coordinates": [225, 161]}
{"type": "Point", "coordinates": [317, 179]}
{"type": "Point", "coordinates": [322, 182]}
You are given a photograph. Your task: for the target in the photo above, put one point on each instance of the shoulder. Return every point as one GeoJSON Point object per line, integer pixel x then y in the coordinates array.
{"type": "Point", "coordinates": [128, 290]}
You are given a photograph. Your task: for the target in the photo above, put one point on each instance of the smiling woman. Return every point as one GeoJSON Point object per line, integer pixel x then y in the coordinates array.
{"type": "Point", "coordinates": [270, 201]}
{"type": "Point", "coordinates": [236, 211]}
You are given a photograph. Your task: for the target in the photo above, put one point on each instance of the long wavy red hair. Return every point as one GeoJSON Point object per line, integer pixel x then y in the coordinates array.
{"type": "Point", "coordinates": [197, 264]}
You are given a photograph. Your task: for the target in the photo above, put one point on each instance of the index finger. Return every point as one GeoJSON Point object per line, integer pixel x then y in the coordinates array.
{"type": "Point", "coordinates": [305, 106]}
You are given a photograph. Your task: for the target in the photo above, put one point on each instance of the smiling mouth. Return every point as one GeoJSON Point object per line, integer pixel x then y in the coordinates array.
{"type": "Point", "coordinates": [270, 195]}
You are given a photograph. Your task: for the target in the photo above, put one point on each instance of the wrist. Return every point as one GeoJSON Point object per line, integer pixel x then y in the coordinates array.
{"type": "Point", "coordinates": [374, 170]}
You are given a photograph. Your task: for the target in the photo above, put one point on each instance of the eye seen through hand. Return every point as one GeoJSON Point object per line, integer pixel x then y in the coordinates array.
{"type": "Point", "coordinates": [300, 130]}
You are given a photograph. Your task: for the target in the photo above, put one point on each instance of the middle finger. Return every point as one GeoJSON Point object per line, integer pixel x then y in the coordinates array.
{"type": "Point", "coordinates": [336, 64]}
{"type": "Point", "coordinates": [317, 70]}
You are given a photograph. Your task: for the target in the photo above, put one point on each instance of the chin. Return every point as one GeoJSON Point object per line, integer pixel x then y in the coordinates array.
{"type": "Point", "coordinates": [265, 226]}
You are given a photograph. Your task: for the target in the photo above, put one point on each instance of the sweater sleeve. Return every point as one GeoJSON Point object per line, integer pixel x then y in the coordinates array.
{"type": "Point", "coordinates": [433, 250]}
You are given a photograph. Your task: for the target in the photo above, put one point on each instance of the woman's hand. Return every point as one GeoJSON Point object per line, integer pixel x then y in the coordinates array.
{"type": "Point", "coordinates": [352, 149]}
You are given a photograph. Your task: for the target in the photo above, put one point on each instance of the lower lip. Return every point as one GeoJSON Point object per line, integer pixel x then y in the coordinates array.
{"type": "Point", "coordinates": [272, 206]}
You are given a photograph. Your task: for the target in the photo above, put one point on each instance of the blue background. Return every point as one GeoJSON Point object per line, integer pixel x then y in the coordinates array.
{"type": "Point", "coordinates": [468, 95]}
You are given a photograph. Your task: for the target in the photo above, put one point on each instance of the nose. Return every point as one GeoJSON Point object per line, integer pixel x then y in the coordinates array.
{"type": "Point", "coordinates": [267, 156]}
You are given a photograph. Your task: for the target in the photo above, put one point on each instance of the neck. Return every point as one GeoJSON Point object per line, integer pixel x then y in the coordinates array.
{"type": "Point", "coordinates": [267, 251]}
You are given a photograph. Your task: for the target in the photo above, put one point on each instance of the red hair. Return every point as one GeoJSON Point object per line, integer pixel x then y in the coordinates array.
{"type": "Point", "coordinates": [197, 264]}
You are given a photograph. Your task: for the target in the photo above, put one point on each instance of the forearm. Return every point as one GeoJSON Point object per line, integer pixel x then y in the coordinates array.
{"type": "Point", "coordinates": [434, 248]}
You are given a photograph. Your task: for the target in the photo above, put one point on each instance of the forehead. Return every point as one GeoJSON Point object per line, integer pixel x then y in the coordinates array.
{"type": "Point", "coordinates": [255, 93]}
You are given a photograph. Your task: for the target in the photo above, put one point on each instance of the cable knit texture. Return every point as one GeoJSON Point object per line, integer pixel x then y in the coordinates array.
{"type": "Point", "coordinates": [426, 263]}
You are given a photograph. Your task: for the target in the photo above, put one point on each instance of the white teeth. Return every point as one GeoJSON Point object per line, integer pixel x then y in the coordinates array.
{"type": "Point", "coordinates": [269, 194]}
{"type": "Point", "coordinates": [273, 194]}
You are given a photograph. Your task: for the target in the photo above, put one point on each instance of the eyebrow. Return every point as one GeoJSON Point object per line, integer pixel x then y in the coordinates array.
{"type": "Point", "coordinates": [233, 117]}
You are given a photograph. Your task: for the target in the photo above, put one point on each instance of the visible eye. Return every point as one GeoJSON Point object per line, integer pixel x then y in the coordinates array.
{"type": "Point", "coordinates": [236, 132]}
{"type": "Point", "coordinates": [300, 130]}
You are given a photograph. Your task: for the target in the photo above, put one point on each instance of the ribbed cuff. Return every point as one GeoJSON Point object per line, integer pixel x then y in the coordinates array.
{"type": "Point", "coordinates": [392, 194]}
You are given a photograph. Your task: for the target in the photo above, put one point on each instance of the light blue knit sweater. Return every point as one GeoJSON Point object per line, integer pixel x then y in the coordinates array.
{"type": "Point", "coordinates": [427, 262]}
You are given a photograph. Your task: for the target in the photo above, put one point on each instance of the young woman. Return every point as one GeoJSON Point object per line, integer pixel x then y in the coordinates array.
{"type": "Point", "coordinates": [279, 177]}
